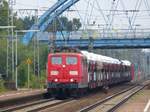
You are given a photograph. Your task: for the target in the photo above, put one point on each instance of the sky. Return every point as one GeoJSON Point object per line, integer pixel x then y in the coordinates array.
{"type": "Point", "coordinates": [33, 3]}
{"type": "Point", "coordinates": [96, 12]}
{"type": "Point", "coordinates": [41, 5]}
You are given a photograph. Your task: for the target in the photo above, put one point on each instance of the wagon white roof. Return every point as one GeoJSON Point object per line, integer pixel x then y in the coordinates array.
{"type": "Point", "coordinates": [126, 62]}
{"type": "Point", "coordinates": [101, 58]}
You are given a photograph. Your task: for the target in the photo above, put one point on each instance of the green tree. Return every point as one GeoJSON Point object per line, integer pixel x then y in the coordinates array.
{"type": "Point", "coordinates": [3, 54]}
{"type": "Point", "coordinates": [18, 22]}
{"type": "Point", "coordinates": [76, 24]}
{"type": "Point", "coordinates": [28, 22]}
{"type": "Point", "coordinates": [3, 16]}
{"type": "Point", "coordinates": [62, 23]}
{"type": "Point", "coordinates": [25, 52]}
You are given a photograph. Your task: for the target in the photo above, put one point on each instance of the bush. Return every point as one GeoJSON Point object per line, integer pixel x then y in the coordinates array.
{"type": "Point", "coordinates": [22, 75]}
{"type": "Point", "coordinates": [2, 88]}
{"type": "Point", "coordinates": [34, 82]}
{"type": "Point", "coordinates": [37, 81]}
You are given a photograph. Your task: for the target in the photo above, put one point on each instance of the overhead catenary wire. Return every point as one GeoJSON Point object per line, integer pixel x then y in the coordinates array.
{"type": "Point", "coordinates": [113, 13]}
{"type": "Point", "coordinates": [147, 6]}
{"type": "Point", "coordinates": [86, 13]}
{"type": "Point", "coordinates": [91, 6]}
{"type": "Point", "coordinates": [136, 13]}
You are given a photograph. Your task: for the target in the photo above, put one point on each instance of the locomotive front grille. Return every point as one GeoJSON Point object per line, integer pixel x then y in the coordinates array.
{"type": "Point", "coordinates": [63, 85]}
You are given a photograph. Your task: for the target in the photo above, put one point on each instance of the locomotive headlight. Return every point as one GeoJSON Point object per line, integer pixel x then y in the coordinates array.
{"type": "Point", "coordinates": [73, 72]}
{"type": "Point", "coordinates": [54, 72]}
{"type": "Point", "coordinates": [56, 80]}
{"type": "Point", "coordinates": [71, 80]}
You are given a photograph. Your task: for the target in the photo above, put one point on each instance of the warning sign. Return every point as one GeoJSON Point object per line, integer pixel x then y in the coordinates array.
{"type": "Point", "coordinates": [28, 61]}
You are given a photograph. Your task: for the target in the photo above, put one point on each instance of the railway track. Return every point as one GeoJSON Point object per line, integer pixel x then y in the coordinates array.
{"type": "Point", "coordinates": [77, 104]}
{"type": "Point", "coordinates": [21, 106]}
{"type": "Point", "coordinates": [20, 100]}
{"type": "Point", "coordinates": [44, 104]}
{"type": "Point", "coordinates": [28, 104]}
{"type": "Point", "coordinates": [47, 105]}
{"type": "Point", "coordinates": [36, 106]}
{"type": "Point", "coordinates": [111, 103]}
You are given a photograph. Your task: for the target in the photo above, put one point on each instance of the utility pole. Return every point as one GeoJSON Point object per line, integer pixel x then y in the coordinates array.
{"type": "Point", "coordinates": [90, 46]}
{"type": "Point", "coordinates": [28, 75]}
{"type": "Point", "coordinates": [16, 63]}
{"type": "Point", "coordinates": [10, 42]}
{"type": "Point", "coordinates": [36, 47]}
{"type": "Point", "coordinates": [52, 38]}
{"type": "Point", "coordinates": [52, 42]}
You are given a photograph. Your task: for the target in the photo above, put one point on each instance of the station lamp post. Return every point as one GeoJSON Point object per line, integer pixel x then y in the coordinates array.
{"type": "Point", "coordinates": [16, 58]}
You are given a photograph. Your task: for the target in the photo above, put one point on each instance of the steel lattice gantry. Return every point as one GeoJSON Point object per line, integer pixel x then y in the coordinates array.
{"type": "Point", "coordinates": [58, 8]}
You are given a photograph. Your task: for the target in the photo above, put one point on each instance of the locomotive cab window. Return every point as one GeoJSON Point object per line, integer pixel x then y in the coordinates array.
{"type": "Point", "coordinates": [71, 60]}
{"type": "Point", "coordinates": [56, 60]}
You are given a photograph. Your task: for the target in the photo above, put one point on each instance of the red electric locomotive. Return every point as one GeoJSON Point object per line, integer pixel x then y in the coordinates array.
{"type": "Point", "coordinates": [73, 73]}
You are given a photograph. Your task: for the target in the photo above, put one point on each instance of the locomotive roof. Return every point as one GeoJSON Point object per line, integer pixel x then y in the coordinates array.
{"type": "Point", "coordinates": [100, 58]}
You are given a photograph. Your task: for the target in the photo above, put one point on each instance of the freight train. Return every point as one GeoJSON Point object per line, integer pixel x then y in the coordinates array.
{"type": "Point", "coordinates": [74, 73]}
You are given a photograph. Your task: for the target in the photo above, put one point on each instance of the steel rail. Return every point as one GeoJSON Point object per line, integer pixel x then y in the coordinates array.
{"type": "Point", "coordinates": [124, 100]}
{"type": "Point", "coordinates": [90, 107]}
{"type": "Point", "coordinates": [20, 100]}
{"type": "Point", "coordinates": [26, 105]}
{"type": "Point", "coordinates": [50, 105]}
